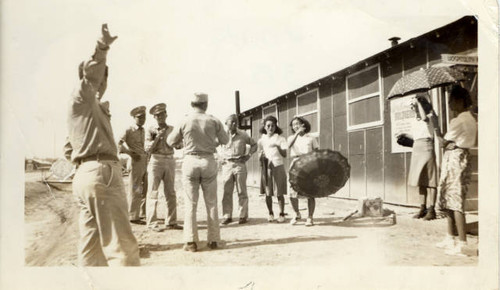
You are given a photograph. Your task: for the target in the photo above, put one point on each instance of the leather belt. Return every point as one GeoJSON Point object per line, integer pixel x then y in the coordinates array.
{"type": "Point", "coordinates": [98, 157]}
{"type": "Point", "coordinates": [199, 153]}
{"type": "Point", "coordinates": [236, 159]}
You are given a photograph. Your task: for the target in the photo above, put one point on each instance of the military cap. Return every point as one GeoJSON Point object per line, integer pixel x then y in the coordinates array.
{"type": "Point", "coordinates": [232, 117]}
{"type": "Point", "coordinates": [137, 111]}
{"type": "Point", "coordinates": [158, 108]}
{"type": "Point", "coordinates": [200, 98]}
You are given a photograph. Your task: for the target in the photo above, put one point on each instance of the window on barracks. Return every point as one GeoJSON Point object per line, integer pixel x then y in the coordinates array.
{"type": "Point", "coordinates": [246, 123]}
{"type": "Point", "coordinates": [270, 110]}
{"type": "Point", "coordinates": [364, 98]}
{"type": "Point", "coordinates": [307, 107]}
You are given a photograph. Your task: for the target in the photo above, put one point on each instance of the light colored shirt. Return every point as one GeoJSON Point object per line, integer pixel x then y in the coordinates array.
{"type": "Point", "coordinates": [134, 138]}
{"type": "Point", "coordinates": [272, 153]}
{"type": "Point", "coordinates": [201, 132]}
{"type": "Point", "coordinates": [237, 145]}
{"type": "Point", "coordinates": [422, 130]}
{"type": "Point", "coordinates": [89, 125]}
{"type": "Point", "coordinates": [463, 130]}
{"type": "Point", "coordinates": [302, 145]}
{"type": "Point", "coordinates": [161, 147]}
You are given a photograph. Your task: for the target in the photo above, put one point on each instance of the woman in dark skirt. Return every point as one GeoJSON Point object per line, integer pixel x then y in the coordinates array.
{"type": "Point", "coordinates": [423, 161]}
{"type": "Point", "coordinates": [456, 170]}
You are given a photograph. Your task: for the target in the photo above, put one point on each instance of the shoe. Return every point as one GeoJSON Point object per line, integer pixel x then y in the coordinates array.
{"type": "Point", "coordinates": [457, 249]}
{"type": "Point", "coordinates": [421, 213]}
{"type": "Point", "coordinates": [309, 222]}
{"type": "Point", "coordinates": [212, 245]}
{"type": "Point", "coordinates": [447, 243]}
{"type": "Point", "coordinates": [226, 221]}
{"type": "Point", "coordinates": [270, 218]}
{"type": "Point", "coordinates": [173, 227]}
{"type": "Point", "coordinates": [295, 220]}
{"type": "Point", "coordinates": [190, 247]}
{"type": "Point", "coordinates": [138, 222]}
{"type": "Point", "coordinates": [281, 218]}
{"type": "Point", "coordinates": [430, 215]}
{"type": "Point", "coordinates": [243, 221]}
{"type": "Point", "coordinates": [156, 228]}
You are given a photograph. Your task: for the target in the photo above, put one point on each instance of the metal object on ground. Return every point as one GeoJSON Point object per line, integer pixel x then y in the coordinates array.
{"type": "Point", "coordinates": [319, 173]}
{"type": "Point", "coordinates": [424, 80]}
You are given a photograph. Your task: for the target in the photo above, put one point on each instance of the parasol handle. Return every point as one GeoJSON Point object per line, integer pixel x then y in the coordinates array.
{"type": "Point", "coordinates": [350, 215]}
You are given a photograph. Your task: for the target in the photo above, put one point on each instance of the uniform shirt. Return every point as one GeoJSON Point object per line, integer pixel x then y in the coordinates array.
{"type": "Point", "coordinates": [236, 147]}
{"type": "Point", "coordinates": [272, 153]}
{"type": "Point", "coordinates": [89, 125]}
{"type": "Point", "coordinates": [302, 145]}
{"type": "Point", "coordinates": [134, 138]}
{"type": "Point", "coordinates": [161, 146]}
{"type": "Point", "coordinates": [462, 130]}
{"type": "Point", "coordinates": [201, 133]}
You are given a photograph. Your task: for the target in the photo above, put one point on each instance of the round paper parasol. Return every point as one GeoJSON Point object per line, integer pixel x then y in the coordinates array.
{"type": "Point", "coordinates": [319, 173]}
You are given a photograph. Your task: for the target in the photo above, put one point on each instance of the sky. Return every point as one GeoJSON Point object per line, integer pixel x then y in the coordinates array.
{"type": "Point", "coordinates": [168, 50]}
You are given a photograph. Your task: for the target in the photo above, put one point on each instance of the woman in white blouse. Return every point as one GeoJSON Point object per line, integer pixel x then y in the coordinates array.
{"type": "Point", "coordinates": [299, 144]}
{"type": "Point", "coordinates": [456, 170]}
{"type": "Point", "coordinates": [273, 146]}
{"type": "Point", "coordinates": [423, 173]}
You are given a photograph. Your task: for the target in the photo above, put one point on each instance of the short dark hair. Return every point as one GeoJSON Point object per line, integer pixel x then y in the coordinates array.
{"type": "Point", "coordinates": [423, 99]}
{"type": "Point", "coordinates": [459, 93]}
{"type": "Point", "coordinates": [275, 121]}
{"type": "Point", "coordinates": [306, 124]}
{"type": "Point", "coordinates": [199, 105]}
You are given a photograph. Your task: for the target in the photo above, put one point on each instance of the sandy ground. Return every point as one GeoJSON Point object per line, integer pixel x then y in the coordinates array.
{"type": "Point", "coordinates": [51, 232]}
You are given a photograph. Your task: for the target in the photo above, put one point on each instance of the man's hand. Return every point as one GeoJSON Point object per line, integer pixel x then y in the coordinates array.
{"type": "Point", "coordinates": [106, 37]}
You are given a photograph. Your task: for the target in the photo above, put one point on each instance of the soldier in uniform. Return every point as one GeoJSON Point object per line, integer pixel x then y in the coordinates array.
{"type": "Point", "coordinates": [132, 144]}
{"type": "Point", "coordinates": [106, 237]}
{"type": "Point", "coordinates": [235, 171]}
{"type": "Point", "coordinates": [161, 168]}
{"type": "Point", "coordinates": [201, 133]}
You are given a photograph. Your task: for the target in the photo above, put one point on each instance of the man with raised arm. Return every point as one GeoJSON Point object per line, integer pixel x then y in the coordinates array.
{"type": "Point", "coordinates": [106, 237]}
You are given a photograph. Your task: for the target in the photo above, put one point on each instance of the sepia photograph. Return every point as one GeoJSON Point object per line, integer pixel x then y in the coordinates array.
{"type": "Point", "coordinates": [249, 144]}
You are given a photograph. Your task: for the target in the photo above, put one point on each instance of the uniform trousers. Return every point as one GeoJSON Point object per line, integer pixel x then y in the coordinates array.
{"type": "Point", "coordinates": [161, 168]}
{"type": "Point", "coordinates": [200, 170]}
{"type": "Point", "coordinates": [138, 188]}
{"type": "Point", "coordinates": [106, 237]}
{"type": "Point", "coordinates": [234, 173]}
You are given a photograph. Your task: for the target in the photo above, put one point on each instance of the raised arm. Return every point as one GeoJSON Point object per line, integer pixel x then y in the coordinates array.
{"type": "Point", "coordinates": [93, 72]}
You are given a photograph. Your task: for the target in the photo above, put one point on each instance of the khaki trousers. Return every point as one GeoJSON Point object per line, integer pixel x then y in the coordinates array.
{"type": "Point", "coordinates": [234, 173]}
{"type": "Point", "coordinates": [138, 188]}
{"type": "Point", "coordinates": [200, 171]}
{"type": "Point", "coordinates": [106, 237]}
{"type": "Point", "coordinates": [161, 168]}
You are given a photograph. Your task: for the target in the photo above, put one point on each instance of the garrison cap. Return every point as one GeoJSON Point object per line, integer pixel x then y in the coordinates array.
{"type": "Point", "coordinates": [137, 111]}
{"type": "Point", "coordinates": [200, 98]}
{"type": "Point", "coordinates": [158, 108]}
{"type": "Point", "coordinates": [232, 117]}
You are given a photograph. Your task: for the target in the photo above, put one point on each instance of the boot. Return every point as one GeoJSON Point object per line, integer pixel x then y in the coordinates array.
{"type": "Point", "coordinates": [431, 214]}
{"type": "Point", "coordinates": [421, 212]}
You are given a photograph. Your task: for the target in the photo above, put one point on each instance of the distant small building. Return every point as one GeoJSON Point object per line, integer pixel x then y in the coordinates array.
{"type": "Point", "coordinates": [349, 111]}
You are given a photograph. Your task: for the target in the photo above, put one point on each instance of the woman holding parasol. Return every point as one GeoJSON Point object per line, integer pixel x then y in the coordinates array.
{"type": "Point", "coordinates": [423, 173]}
{"type": "Point", "coordinates": [299, 144]}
